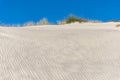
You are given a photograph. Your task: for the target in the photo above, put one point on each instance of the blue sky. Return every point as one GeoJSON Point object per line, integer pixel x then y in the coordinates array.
{"type": "Point", "coordinates": [21, 11]}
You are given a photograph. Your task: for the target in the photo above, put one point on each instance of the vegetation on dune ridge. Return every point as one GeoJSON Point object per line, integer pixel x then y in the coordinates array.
{"type": "Point", "coordinates": [70, 19]}
{"type": "Point", "coordinates": [43, 21]}
{"type": "Point", "coordinates": [73, 19]}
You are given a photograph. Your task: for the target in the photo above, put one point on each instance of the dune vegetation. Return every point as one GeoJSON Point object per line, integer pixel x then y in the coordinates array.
{"type": "Point", "coordinates": [68, 20]}
{"type": "Point", "coordinates": [72, 19]}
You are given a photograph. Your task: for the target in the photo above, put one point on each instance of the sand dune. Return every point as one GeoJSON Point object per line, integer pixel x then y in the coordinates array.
{"type": "Point", "coordinates": [88, 51]}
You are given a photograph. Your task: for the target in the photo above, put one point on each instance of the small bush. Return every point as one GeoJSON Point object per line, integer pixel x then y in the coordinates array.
{"type": "Point", "coordinates": [44, 21]}
{"type": "Point", "coordinates": [73, 19]}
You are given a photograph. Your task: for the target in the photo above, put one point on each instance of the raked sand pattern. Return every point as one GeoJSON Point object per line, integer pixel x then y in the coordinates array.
{"type": "Point", "coordinates": [69, 52]}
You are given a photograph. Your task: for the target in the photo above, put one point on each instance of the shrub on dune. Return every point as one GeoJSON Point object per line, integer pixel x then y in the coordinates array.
{"type": "Point", "coordinates": [73, 19]}
{"type": "Point", "coordinates": [43, 21]}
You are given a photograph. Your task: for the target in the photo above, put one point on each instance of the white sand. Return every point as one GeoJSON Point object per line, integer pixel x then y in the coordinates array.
{"type": "Point", "coordinates": [89, 51]}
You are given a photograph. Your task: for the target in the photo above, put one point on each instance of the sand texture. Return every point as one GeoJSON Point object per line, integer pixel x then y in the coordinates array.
{"type": "Point", "coordinates": [67, 52]}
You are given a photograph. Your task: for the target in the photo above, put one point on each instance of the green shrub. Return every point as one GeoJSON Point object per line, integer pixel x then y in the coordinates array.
{"type": "Point", "coordinates": [73, 19]}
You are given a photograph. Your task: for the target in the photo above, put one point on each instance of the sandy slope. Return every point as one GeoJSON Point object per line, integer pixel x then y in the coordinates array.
{"type": "Point", "coordinates": [69, 52]}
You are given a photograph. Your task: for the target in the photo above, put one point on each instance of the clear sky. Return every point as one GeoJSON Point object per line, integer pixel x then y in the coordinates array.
{"type": "Point", "coordinates": [21, 11]}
